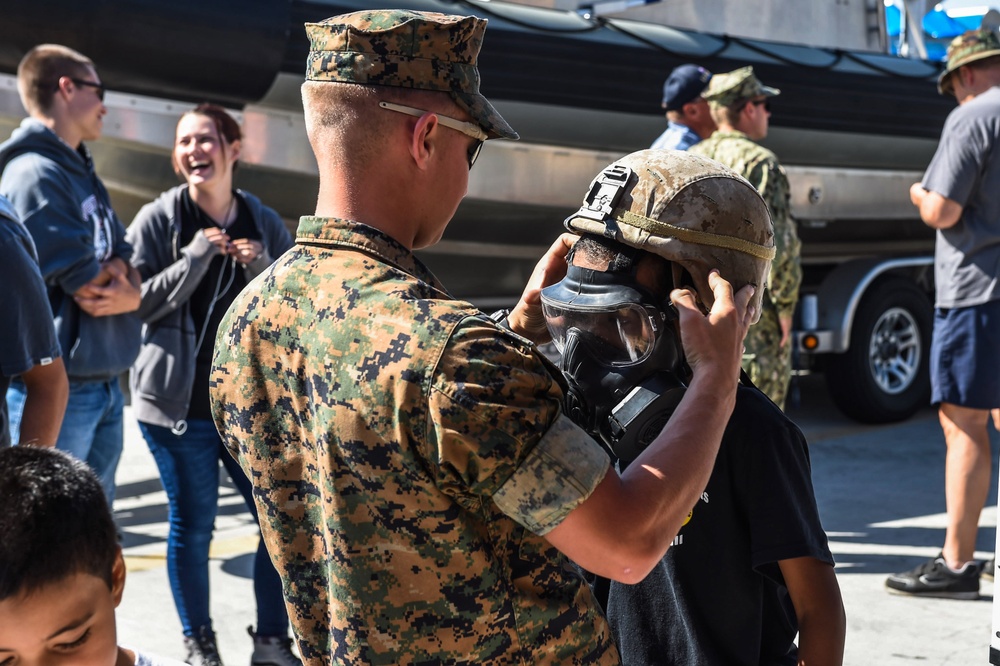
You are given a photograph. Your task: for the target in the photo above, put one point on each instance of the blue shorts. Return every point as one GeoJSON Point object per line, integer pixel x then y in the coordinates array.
{"type": "Point", "coordinates": [965, 356]}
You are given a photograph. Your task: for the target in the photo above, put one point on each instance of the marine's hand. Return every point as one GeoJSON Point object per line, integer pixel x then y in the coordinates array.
{"type": "Point", "coordinates": [917, 194]}
{"type": "Point", "coordinates": [713, 343]}
{"type": "Point", "coordinates": [526, 317]}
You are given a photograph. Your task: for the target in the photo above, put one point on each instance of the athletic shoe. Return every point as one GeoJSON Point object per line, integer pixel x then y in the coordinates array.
{"type": "Point", "coordinates": [272, 651]}
{"type": "Point", "coordinates": [202, 650]}
{"type": "Point", "coordinates": [933, 578]}
{"type": "Point", "coordinates": [989, 567]}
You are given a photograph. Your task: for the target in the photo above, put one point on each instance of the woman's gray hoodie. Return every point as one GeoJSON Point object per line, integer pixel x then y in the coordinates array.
{"type": "Point", "coordinates": [163, 374]}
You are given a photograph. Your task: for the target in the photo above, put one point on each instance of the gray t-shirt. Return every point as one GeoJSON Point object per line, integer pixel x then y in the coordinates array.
{"type": "Point", "coordinates": [966, 169]}
{"type": "Point", "coordinates": [27, 333]}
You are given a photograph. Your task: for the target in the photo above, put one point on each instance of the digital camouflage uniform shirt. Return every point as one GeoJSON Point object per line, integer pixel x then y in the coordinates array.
{"type": "Point", "coordinates": [766, 361]}
{"type": "Point", "coordinates": [406, 456]}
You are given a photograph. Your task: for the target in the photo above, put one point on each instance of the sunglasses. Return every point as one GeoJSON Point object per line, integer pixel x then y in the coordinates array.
{"type": "Point", "coordinates": [468, 129]}
{"type": "Point", "coordinates": [98, 87]}
{"type": "Point", "coordinates": [766, 103]}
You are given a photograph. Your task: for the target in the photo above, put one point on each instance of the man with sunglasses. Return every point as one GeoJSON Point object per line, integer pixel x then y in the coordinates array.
{"type": "Point", "coordinates": [420, 489]}
{"type": "Point", "coordinates": [49, 177]}
{"type": "Point", "coordinates": [741, 107]}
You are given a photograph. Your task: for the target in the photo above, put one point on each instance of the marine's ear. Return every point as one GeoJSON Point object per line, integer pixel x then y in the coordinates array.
{"type": "Point", "coordinates": [424, 139]}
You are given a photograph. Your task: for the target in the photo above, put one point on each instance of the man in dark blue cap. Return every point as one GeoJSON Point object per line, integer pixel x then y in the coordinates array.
{"type": "Point", "coordinates": [688, 117]}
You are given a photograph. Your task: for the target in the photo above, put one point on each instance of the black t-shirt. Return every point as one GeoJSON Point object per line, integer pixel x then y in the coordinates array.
{"type": "Point", "coordinates": [222, 283]}
{"type": "Point", "coordinates": [718, 597]}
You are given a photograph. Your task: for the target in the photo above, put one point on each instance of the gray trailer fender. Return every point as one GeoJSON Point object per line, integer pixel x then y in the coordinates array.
{"type": "Point", "coordinates": [829, 313]}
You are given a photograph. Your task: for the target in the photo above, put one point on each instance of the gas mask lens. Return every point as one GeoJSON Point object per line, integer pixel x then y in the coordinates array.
{"type": "Point", "coordinates": [622, 334]}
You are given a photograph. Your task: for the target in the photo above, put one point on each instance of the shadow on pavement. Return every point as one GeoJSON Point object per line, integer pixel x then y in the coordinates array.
{"type": "Point", "coordinates": [880, 488]}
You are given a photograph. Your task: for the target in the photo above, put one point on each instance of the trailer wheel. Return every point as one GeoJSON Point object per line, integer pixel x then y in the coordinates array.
{"type": "Point", "coordinates": [883, 376]}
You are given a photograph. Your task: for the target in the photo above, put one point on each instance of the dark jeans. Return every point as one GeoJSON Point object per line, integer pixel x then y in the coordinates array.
{"type": "Point", "coordinates": [189, 471]}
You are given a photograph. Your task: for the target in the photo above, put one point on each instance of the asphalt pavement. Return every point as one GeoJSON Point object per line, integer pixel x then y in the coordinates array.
{"type": "Point", "coordinates": [881, 497]}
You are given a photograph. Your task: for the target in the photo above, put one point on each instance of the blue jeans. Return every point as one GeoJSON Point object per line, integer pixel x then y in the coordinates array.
{"type": "Point", "coordinates": [91, 430]}
{"type": "Point", "coordinates": [189, 471]}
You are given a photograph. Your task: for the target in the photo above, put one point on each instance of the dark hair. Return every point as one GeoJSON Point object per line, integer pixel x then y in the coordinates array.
{"type": "Point", "coordinates": [54, 521]}
{"type": "Point", "coordinates": [225, 125]}
{"type": "Point", "coordinates": [597, 249]}
{"type": "Point", "coordinates": [39, 72]}
{"type": "Point", "coordinates": [612, 255]}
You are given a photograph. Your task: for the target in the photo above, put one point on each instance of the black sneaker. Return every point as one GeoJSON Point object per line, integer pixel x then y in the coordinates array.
{"type": "Point", "coordinates": [201, 648]}
{"type": "Point", "coordinates": [989, 567]}
{"type": "Point", "coordinates": [933, 578]}
{"type": "Point", "coordinates": [272, 650]}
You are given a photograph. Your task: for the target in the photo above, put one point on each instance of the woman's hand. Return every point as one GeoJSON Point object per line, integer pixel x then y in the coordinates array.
{"type": "Point", "coordinates": [217, 237]}
{"type": "Point", "coordinates": [245, 250]}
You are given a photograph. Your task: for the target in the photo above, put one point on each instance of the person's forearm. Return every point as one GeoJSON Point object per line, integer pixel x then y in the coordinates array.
{"type": "Point", "coordinates": [936, 210]}
{"type": "Point", "coordinates": [630, 521]}
{"type": "Point", "coordinates": [821, 640]}
{"type": "Point", "coordinates": [664, 483]}
{"type": "Point", "coordinates": [45, 405]}
{"type": "Point", "coordinates": [819, 606]}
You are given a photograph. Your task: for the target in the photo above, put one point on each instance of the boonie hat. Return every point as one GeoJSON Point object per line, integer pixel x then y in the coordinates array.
{"type": "Point", "coordinates": [968, 47]}
{"type": "Point", "coordinates": [731, 87]}
{"type": "Point", "coordinates": [683, 85]}
{"type": "Point", "coordinates": [406, 49]}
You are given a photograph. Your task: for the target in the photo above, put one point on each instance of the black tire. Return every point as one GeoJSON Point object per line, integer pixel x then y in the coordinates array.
{"type": "Point", "coordinates": [883, 376]}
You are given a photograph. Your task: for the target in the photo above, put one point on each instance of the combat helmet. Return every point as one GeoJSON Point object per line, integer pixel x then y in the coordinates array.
{"type": "Point", "coordinates": [690, 210]}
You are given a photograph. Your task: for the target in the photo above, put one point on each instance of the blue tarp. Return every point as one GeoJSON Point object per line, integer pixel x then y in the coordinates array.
{"type": "Point", "coordinates": [939, 29]}
{"type": "Point", "coordinates": [939, 25]}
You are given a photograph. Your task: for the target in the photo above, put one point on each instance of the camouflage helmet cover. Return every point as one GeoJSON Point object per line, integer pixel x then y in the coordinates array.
{"type": "Point", "coordinates": [690, 210]}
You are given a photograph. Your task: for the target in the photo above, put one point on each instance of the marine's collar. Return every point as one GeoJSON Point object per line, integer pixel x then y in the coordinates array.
{"type": "Point", "coordinates": [338, 232]}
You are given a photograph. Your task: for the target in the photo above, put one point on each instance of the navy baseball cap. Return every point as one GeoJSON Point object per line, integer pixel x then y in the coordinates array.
{"type": "Point", "coordinates": [683, 85]}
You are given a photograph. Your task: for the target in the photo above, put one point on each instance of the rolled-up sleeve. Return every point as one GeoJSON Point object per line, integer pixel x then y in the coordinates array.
{"type": "Point", "coordinates": [560, 472]}
{"type": "Point", "coordinates": [498, 431]}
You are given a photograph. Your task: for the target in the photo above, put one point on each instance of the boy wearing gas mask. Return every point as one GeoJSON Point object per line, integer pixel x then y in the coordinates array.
{"type": "Point", "coordinates": [751, 567]}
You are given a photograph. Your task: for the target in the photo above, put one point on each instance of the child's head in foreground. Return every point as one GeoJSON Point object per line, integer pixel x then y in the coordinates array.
{"type": "Point", "coordinates": [61, 568]}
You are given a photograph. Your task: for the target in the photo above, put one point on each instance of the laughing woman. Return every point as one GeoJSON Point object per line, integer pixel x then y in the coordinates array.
{"type": "Point", "coordinates": [196, 247]}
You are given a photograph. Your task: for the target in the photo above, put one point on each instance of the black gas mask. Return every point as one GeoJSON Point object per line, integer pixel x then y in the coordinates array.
{"type": "Point", "coordinates": [621, 355]}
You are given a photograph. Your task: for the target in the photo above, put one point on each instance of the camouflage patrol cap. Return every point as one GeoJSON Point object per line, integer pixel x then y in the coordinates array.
{"type": "Point", "coordinates": [729, 88]}
{"type": "Point", "coordinates": [406, 49]}
{"type": "Point", "coordinates": [967, 48]}
{"type": "Point", "coordinates": [692, 211]}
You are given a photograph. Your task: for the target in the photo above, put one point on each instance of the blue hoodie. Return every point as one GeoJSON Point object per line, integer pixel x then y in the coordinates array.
{"type": "Point", "coordinates": [64, 205]}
